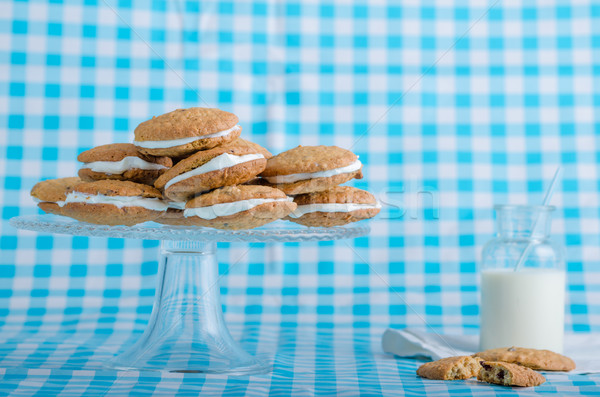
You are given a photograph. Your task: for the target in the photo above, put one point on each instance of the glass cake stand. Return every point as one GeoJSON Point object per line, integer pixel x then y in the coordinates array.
{"type": "Point", "coordinates": [186, 331]}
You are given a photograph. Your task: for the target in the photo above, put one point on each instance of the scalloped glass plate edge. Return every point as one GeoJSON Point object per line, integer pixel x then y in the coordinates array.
{"type": "Point", "coordinates": [283, 231]}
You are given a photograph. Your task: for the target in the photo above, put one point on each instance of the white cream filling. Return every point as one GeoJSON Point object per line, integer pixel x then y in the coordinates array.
{"type": "Point", "coordinates": [119, 167]}
{"type": "Point", "coordinates": [183, 141]}
{"type": "Point", "coordinates": [37, 200]}
{"type": "Point", "coordinates": [154, 204]}
{"type": "Point", "coordinates": [225, 209]}
{"type": "Point", "coordinates": [311, 175]}
{"type": "Point", "coordinates": [330, 207]}
{"type": "Point", "coordinates": [224, 160]}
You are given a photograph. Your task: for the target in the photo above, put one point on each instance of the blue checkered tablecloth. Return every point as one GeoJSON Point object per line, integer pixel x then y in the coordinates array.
{"type": "Point", "coordinates": [453, 106]}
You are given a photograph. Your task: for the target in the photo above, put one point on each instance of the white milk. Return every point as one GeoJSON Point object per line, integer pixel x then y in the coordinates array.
{"type": "Point", "coordinates": [524, 309]}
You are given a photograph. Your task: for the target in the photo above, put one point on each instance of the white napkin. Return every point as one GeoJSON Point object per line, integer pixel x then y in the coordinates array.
{"type": "Point", "coordinates": [584, 349]}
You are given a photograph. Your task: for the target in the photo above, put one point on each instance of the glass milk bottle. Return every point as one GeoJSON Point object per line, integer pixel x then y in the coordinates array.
{"type": "Point", "coordinates": [522, 307]}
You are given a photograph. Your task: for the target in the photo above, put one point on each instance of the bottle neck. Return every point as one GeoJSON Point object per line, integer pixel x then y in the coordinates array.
{"type": "Point", "coordinates": [517, 222]}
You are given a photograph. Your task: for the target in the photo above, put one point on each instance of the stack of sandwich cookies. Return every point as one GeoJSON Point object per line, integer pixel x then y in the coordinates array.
{"type": "Point", "coordinates": [307, 169]}
{"type": "Point", "coordinates": [238, 207]}
{"type": "Point", "coordinates": [211, 169]}
{"type": "Point", "coordinates": [52, 193]}
{"type": "Point", "coordinates": [123, 162]}
{"type": "Point", "coordinates": [109, 202]}
{"type": "Point", "coordinates": [334, 207]}
{"type": "Point", "coordinates": [190, 167]}
{"type": "Point", "coordinates": [184, 131]}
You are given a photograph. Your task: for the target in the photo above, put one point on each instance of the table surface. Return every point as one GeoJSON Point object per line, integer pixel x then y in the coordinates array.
{"type": "Point", "coordinates": [342, 360]}
{"type": "Point", "coordinates": [40, 354]}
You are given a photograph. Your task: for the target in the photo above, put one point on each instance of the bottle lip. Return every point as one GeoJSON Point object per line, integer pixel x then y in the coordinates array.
{"type": "Point", "coordinates": [542, 208]}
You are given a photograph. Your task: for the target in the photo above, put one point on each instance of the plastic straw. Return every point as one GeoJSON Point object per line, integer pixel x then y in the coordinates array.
{"type": "Point", "coordinates": [546, 201]}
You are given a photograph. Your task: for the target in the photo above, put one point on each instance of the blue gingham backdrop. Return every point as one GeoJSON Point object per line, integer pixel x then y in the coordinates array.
{"type": "Point", "coordinates": [453, 106]}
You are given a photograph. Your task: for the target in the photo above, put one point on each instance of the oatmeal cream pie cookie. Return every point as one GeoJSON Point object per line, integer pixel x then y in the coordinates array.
{"type": "Point", "coordinates": [307, 169]}
{"type": "Point", "coordinates": [450, 368]}
{"type": "Point", "coordinates": [123, 162]}
{"type": "Point", "coordinates": [507, 374]}
{"type": "Point", "coordinates": [543, 360]}
{"type": "Point", "coordinates": [52, 193]}
{"type": "Point", "coordinates": [334, 207]}
{"type": "Point", "coordinates": [238, 207]}
{"type": "Point", "coordinates": [211, 169]}
{"type": "Point", "coordinates": [185, 131]}
{"type": "Point", "coordinates": [109, 202]}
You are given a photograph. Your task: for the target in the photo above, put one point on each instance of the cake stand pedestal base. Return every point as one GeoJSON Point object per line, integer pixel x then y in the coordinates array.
{"type": "Point", "coordinates": [186, 332]}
